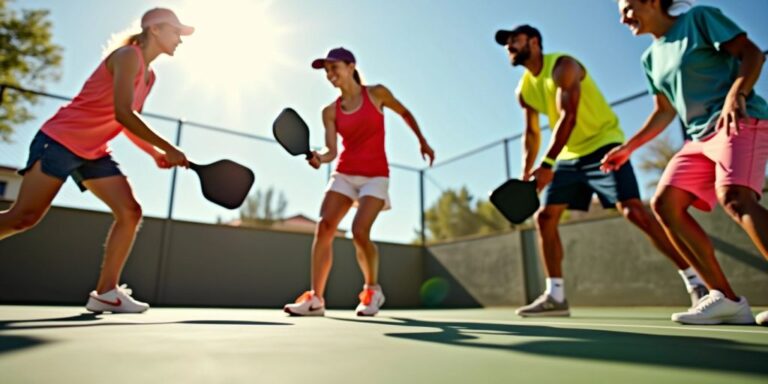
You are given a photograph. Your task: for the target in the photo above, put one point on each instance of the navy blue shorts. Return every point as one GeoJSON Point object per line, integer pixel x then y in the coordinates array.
{"type": "Point", "coordinates": [575, 181]}
{"type": "Point", "coordinates": [58, 161]}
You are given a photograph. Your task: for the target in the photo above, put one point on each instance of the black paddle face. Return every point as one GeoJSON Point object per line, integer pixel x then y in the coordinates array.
{"type": "Point", "coordinates": [224, 182]}
{"type": "Point", "coordinates": [517, 200]}
{"type": "Point", "coordinates": [292, 132]}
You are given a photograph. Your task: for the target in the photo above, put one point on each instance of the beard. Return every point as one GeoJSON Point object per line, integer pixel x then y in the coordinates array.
{"type": "Point", "coordinates": [522, 56]}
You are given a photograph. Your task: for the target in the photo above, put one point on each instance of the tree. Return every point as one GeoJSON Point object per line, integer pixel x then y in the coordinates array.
{"type": "Point", "coordinates": [454, 215]}
{"type": "Point", "coordinates": [656, 156]}
{"type": "Point", "coordinates": [260, 209]}
{"type": "Point", "coordinates": [28, 58]}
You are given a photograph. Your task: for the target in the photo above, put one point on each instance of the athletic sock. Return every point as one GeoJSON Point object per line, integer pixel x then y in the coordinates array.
{"type": "Point", "coordinates": [690, 278]}
{"type": "Point", "coordinates": [556, 288]}
{"type": "Point", "coordinates": [375, 287]}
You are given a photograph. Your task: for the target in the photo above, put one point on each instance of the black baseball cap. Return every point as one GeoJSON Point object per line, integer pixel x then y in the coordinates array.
{"type": "Point", "coordinates": [503, 35]}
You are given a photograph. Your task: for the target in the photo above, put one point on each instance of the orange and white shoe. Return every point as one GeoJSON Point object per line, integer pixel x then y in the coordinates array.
{"type": "Point", "coordinates": [118, 300]}
{"type": "Point", "coordinates": [371, 300]}
{"type": "Point", "coordinates": [308, 304]}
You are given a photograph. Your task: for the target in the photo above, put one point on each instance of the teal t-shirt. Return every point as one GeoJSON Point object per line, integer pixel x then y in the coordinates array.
{"type": "Point", "coordinates": [690, 68]}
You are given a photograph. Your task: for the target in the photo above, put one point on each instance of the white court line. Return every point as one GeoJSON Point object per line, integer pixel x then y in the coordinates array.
{"type": "Point", "coordinates": [704, 329]}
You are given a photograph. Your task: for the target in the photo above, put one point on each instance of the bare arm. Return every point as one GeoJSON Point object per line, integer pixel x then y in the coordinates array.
{"type": "Point", "coordinates": [125, 65]}
{"type": "Point", "coordinates": [387, 99]}
{"type": "Point", "coordinates": [663, 114]}
{"type": "Point", "coordinates": [329, 153]}
{"type": "Point", "coordinates": [567, 75]}
{"type": "Point", "coordinates": [751, 63]}
{"type": "Point", "coordinates": [531, 137]}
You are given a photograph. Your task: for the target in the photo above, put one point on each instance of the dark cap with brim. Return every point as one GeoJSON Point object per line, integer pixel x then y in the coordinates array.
{"type": "Point", "coordinates": [336, 54]}
{"type": "Point", "coordinates": [502, 35]}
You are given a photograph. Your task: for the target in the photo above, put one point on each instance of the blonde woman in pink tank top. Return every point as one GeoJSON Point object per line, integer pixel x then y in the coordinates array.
{"type": "Point", "coordinates": [361, 177]}
{"type": "Point", "coordinates": [74, 142]}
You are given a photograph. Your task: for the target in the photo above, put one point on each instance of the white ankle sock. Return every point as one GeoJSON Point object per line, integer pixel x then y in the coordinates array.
{"type": "Point", "coordinates": [373, 286]}
{"type": "Point", "coordinates": [690, 278]}
{"type": "Point", "coordinates": [555, 288]}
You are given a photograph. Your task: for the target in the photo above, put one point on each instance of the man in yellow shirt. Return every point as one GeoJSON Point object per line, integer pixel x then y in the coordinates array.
{"type": "Point", "coordinates": [584, 129]}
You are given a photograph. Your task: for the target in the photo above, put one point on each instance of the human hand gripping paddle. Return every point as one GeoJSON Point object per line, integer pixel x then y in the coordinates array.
{"type": "Point", "coordinates": [223, 182]}
{"type": "Point", "coordinates": [292, 133]}
{"type": "Point", "coordinates": [516, 199]}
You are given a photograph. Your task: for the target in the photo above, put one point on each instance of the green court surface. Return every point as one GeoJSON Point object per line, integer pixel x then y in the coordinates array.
{"type": "Point", "coordinates": [212, 345]}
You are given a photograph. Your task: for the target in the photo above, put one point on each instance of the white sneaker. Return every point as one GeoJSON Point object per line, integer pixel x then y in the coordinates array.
{"type": "Point", "coordinates": [371, 300]}
{"type": "Point", "coordinates": [715, 308]}
{"type": "Point", "coordinates": [762, 318]}
{"type": "Point", "coordinates": [308, 304]}
{"type": "Point", "coordinates": [118, 300]}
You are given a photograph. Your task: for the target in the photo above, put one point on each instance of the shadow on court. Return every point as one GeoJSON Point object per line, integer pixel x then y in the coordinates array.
{"type": "Point", "coordinates": [590, 344]}
{"type": "Point", "coordinates": [10, 343]}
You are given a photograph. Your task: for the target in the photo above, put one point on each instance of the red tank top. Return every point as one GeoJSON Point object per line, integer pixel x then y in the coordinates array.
{"type": "Point", "coordinates": [362, 135]}
{"type": "Point", "coordinates": [87, 123]}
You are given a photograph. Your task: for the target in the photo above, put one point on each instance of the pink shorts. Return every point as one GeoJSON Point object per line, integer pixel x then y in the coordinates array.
{"type": "Point", "coordinates": [700, 167]}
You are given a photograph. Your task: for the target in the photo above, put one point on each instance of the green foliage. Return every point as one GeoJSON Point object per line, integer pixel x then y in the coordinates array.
{"type": "Point", "coordinates": [261, 209]}
{"type": "Point", "coordinates": [455, 215]}
{"type": "Point", "coordinates": [28, 58]}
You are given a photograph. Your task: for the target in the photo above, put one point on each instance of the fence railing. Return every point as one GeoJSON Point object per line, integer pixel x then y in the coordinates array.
{"type": "Point", "coordinates": [421, 172]}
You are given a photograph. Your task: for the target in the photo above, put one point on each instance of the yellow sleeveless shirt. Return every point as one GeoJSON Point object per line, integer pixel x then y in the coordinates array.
{"type": "Point", "coordinates": [596, 124]}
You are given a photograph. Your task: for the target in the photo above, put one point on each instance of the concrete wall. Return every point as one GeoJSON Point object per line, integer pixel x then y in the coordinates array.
{"type": "Point", "coordinates": [608, 262]}
{"type": "Point", "coordinates": [486, 271]}
{"type": "Point", "coordinates": [58, 262]}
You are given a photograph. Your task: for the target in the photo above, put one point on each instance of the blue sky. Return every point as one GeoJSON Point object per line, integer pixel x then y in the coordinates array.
{"type": "Point", "coordinates": [250, 59]}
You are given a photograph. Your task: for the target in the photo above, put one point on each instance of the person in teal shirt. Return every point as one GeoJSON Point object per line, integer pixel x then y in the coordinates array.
{"type": "Point", "coordinates": [702, 67]}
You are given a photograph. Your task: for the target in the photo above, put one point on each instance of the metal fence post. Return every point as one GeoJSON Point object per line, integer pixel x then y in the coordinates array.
{"type": "Point", "coordinates": [423, 209]}
{"type": "Point", "coordinates": [506, 158]}
{"type": "Point", "coordinates": [165, 244]}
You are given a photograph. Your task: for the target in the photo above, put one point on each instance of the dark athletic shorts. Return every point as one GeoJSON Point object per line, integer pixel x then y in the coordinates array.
{"type": "Point", "coordinates": [58, 161]}
{"type": "Point", "coordinates": [575, 181]}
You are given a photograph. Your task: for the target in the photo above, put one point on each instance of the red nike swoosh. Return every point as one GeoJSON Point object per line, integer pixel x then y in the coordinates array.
{"type": "Point", "coordinates": [115, 303]}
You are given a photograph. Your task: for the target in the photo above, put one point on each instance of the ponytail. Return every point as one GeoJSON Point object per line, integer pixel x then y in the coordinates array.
{"type": "Point", "coordinates": [133, 35]}
{"type": "Point", "coordinates": [136, 39]}
{"type": "Point", "coordinates": [357, 77]}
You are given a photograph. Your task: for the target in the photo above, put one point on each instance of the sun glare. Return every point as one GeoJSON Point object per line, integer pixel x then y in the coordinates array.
{"type": "Point", "coordinates": [234, 46]}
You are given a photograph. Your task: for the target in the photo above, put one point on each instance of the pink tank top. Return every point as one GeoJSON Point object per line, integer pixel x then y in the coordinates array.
{"type": "Point", "coordinates": [362, 135]}
{"type": "Point", "coordinates": [87, 123]}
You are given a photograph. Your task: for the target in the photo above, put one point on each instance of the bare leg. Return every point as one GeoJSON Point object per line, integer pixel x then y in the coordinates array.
{"type": "Point", "coordinates": [547, 221]}
{"type": "Point", "coordinates": [335, 206]}
{"type": "Point", "coordinates": [37, 192]}
{"type": "Point", "coordinates": [365, 250]}
{"type": "Point", "coordinates": [118, 195]}
{"type": "Point", "coordinates": [741, 204]}
{"type": "Point", "coordinates": [671, 207]}
{"type": "Point", "coordinates": [634, 211]}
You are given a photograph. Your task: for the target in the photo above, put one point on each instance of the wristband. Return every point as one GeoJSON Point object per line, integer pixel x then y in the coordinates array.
{"type": "Point", "coordinates": [547, 162]}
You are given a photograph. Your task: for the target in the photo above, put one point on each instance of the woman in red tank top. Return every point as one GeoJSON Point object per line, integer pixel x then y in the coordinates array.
{"type": "Point", "coordinates": [361, 176]}
{"type": "Point", "coordinates": [74, 143]}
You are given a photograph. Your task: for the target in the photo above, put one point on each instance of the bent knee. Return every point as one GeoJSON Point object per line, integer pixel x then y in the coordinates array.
{"type": "Point", "coordinates": [129, 213]}
{"type": "Point", "coordinates": [27, 220]}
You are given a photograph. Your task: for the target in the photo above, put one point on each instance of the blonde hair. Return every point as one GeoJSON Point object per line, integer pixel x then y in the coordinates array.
{"type": "Point", "coordinates": [133, 35]}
